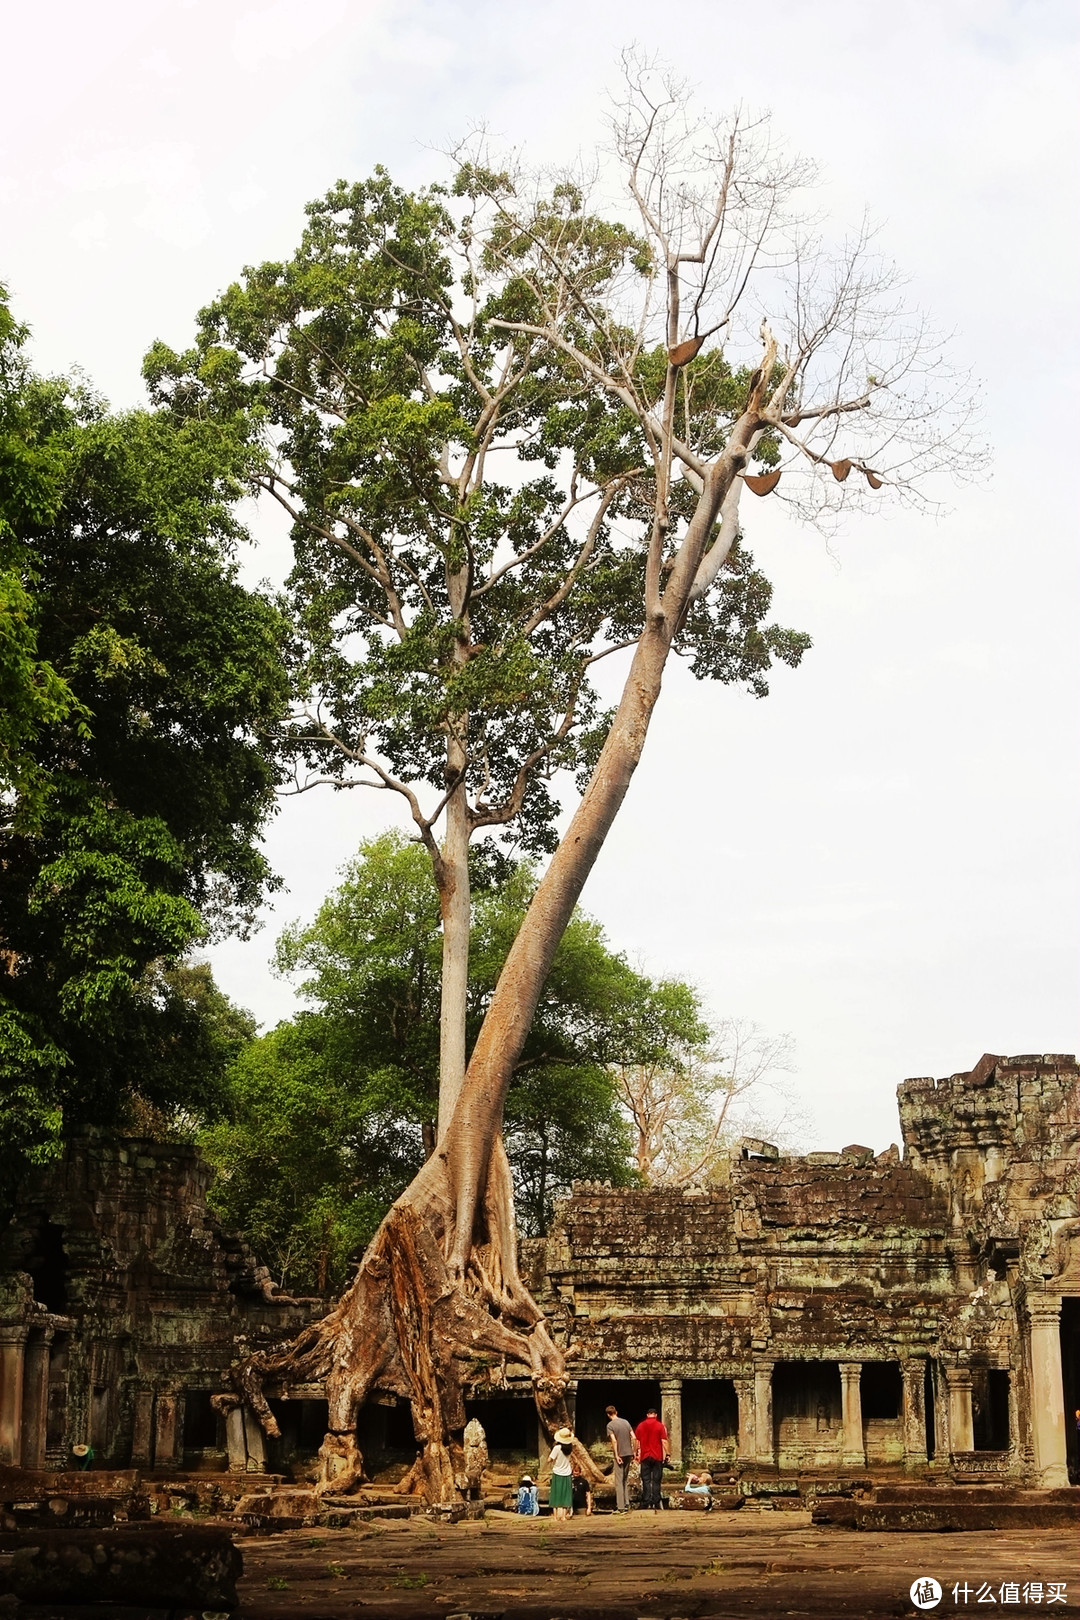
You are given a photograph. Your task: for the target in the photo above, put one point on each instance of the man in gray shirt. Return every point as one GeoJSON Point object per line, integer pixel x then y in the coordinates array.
{"type": "Point", "coordinates": [624, 1450]}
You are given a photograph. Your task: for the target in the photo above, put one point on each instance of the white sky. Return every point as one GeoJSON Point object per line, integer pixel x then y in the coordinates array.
{"type": "Point", "coordinates": [880, 858]}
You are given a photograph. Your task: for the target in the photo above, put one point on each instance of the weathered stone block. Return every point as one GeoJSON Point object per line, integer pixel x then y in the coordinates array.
{"type": "Point", "coordinates": [162, 1566]}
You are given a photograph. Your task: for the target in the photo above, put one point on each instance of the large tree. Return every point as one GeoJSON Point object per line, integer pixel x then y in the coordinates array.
{"type": "Point", "coordinates": [330, 1115]}
{"type": "Point", "coordinates": [415, 367]}
{"type": "Point", "coordinates": [143, 687]}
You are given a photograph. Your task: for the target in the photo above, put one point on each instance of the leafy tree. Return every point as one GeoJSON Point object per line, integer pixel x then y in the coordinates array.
{"type": "Point", "coordinates": [31, 482]}
{"type": "Point", "coordinates": [309, 1152]}
{"type": "Point", "coordinates": [510, 449]}
{"type": "Point", "coordinates": [464, 519]}
{"type": "Point", "coordinates": [330, 1115]}
{"type": "Point", "coordinates": [146, 687]}
{"type": "Point", "coordinates": [687, 1105]}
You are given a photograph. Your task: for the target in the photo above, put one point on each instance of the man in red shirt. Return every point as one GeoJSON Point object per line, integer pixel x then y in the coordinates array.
{"type": "Point", "coordinates": [653, 1452]}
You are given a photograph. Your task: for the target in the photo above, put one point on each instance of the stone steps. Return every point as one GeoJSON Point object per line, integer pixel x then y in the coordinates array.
{"type": "Point", "coordinates": [956, 1509]}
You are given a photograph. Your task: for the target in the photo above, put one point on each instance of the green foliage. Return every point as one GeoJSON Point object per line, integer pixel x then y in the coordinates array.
{"type": "Point", "coordinates": [434, 466]}
{"type": "Point", "coordinates": [327, 1115]}
{"type": "Point", "coordinates": [311, 1153]}
{"type": "Point", "coordinates": [32, 468]}
{"type": "Point", "coordinates": [143, 689]}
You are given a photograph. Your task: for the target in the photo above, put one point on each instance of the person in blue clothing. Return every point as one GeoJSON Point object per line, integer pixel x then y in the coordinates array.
{"type": "Point", "coordinates": [528, 1499]}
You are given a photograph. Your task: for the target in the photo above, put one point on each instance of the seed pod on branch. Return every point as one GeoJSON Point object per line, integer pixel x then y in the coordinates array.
{"type": "Point", "coordinates": [761, 483]}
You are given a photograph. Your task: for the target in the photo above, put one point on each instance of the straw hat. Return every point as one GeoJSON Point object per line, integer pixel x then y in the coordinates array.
{"type": "Point", "coordinates": [564, 1436]}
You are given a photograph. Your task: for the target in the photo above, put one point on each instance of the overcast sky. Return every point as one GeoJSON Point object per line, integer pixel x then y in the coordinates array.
{"type": "Point", "coordinates": [880, 858]}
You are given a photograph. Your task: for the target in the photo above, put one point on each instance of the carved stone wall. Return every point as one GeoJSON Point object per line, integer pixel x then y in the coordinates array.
{"type": "Point", "coordinates": [863, 1309]}
{"type": "Point", "coordinates": [831, 1312]}
{"type": "Point", "coordinates": [121, 1302]}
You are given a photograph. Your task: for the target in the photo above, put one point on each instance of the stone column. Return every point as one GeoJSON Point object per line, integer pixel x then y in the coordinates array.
{"type": "Point", "coordinates": [168, 1428]}
{"type": "Point", "coordinates": [913, 1373]}
{"type": "Point", "coordinates": [1016, 1440]}
{"type": "Point", "coordinates": [763, 1414]}
{"type": "Point", "coordinates": [671, 1415]}
{"type": "Point", "coordinates": [746, 1446]}
{"type": "Point", "coordinates": [852, 1449]}
{"type": "Point", "coordinates": [961, 1423]}
{"type": "Point", "coordinates": [142, 1429]}
{"type": "Point", "coordinates": [12, 1356]}
{"type": "Point", "coordinates": [35, 1415]}
{"type": "Point", "coordinates": [1046, 1392]}
{"type": "Point", "coordinates": [254, 1441]}
{"type": "Point", "coordinates": [571, 1403]}
{"type": "Point", "coordinates": [234, 1439]}
{"type": "Point", "coordinates": [941, 1415]}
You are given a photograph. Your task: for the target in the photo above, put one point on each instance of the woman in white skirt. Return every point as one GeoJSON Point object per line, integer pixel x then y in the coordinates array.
{"type": "Point", "coordinates": [560, 1494]}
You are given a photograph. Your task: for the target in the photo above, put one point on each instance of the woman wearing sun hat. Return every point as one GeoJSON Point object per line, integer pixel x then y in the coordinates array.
{"type": "Point", "coordinates": [561, 1490]}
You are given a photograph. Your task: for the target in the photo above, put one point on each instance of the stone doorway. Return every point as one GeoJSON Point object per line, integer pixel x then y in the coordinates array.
{"type": "Point", "coordinates": [807, 1413]}
{"type": "Point", "coordinates": [881, 1392]}
{"type": "Point", "coordinates": [710, 1422]}
{"type": "Point", "coordinates": [303, 1423]}
{"type": "Point", "coordinates": [510, 1425]}
{"type": "Point", "coordinates": [990, 1408]}
{"type": "Point", "coordinates": [631, 1397]}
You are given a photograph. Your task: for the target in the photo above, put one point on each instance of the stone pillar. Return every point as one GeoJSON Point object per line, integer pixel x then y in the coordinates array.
{"type": "Point", "coordinates": [671, 1415]}
{"type": "Point", "coordinates": [12, 1356]}
{"type": "Point", "coordinates": [571, 1403]}
{"type": "Point", "coordinates": [941, 1415]}
{"type": "Point", "coordinates": [168, 1428]}
{"type": "Point", "coordinates": [142, 1429]}
{"type": "Point", "coordinates": [1046, 1392]}
{"type": "Point", "coordinates": [35, 1414]}
{"type": "Point", "coordinates": [852, 1449]}
{"type": "Point", "coordinates": [746, 1446]}
{"type": "Point", "coordinates": [913, 1373]}
{"type": "Point", "coordinates": [1016, 1441]}
{"type": "Point", "coordinates": [254, 1441]}
{"type": "Point", "coordinates": [961, 1423]}
{"type": "Point", "coordinates": [763, 1414]}
{"type": "Point", "coordinates": [234, 1440]}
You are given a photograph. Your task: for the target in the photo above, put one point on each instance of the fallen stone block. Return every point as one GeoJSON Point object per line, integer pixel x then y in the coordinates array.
{"type": "Point", "coordinates": [165, 1567]}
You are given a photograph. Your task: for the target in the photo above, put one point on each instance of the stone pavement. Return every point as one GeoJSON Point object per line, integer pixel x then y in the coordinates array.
{"type": "Point", "coordinates": [719, 1566]}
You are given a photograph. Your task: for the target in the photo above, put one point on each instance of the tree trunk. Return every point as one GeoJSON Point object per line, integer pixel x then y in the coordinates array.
{"type": "Point", "coordinates": [438, 1295]}
{"type": "Point", "coordinates": [455, 904]}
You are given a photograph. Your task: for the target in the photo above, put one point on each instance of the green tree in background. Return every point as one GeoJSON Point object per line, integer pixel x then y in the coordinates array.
{"type": "Point", "coordinates": [331, 1114]}
{"type": "Point", "coordinates": [32, 466]}
{"type": "Point", "coordinates": [142, 691]}
{"type": "Point", "coordinates": [310, 1151]}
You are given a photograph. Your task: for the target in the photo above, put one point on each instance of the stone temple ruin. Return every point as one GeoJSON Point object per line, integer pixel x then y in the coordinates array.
{"type": "Point", "coordinates": [837, 1312]}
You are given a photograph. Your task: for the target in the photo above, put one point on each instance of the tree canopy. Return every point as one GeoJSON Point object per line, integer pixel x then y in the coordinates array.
{"type": "Point", "coordinates": [465, 511]}
{"type": "Point", "coordinates": [331, 1114]}
{"type": "Point", "coordinates": [137, 753]}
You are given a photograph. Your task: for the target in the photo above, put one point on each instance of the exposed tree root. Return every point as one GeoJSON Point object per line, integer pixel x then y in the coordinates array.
{"type": "Point", "coordinates": [412, 1326]}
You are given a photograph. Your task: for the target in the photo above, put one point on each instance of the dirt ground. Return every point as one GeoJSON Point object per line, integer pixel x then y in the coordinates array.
{"type": "Point", "coordinates": [716, 1566]}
